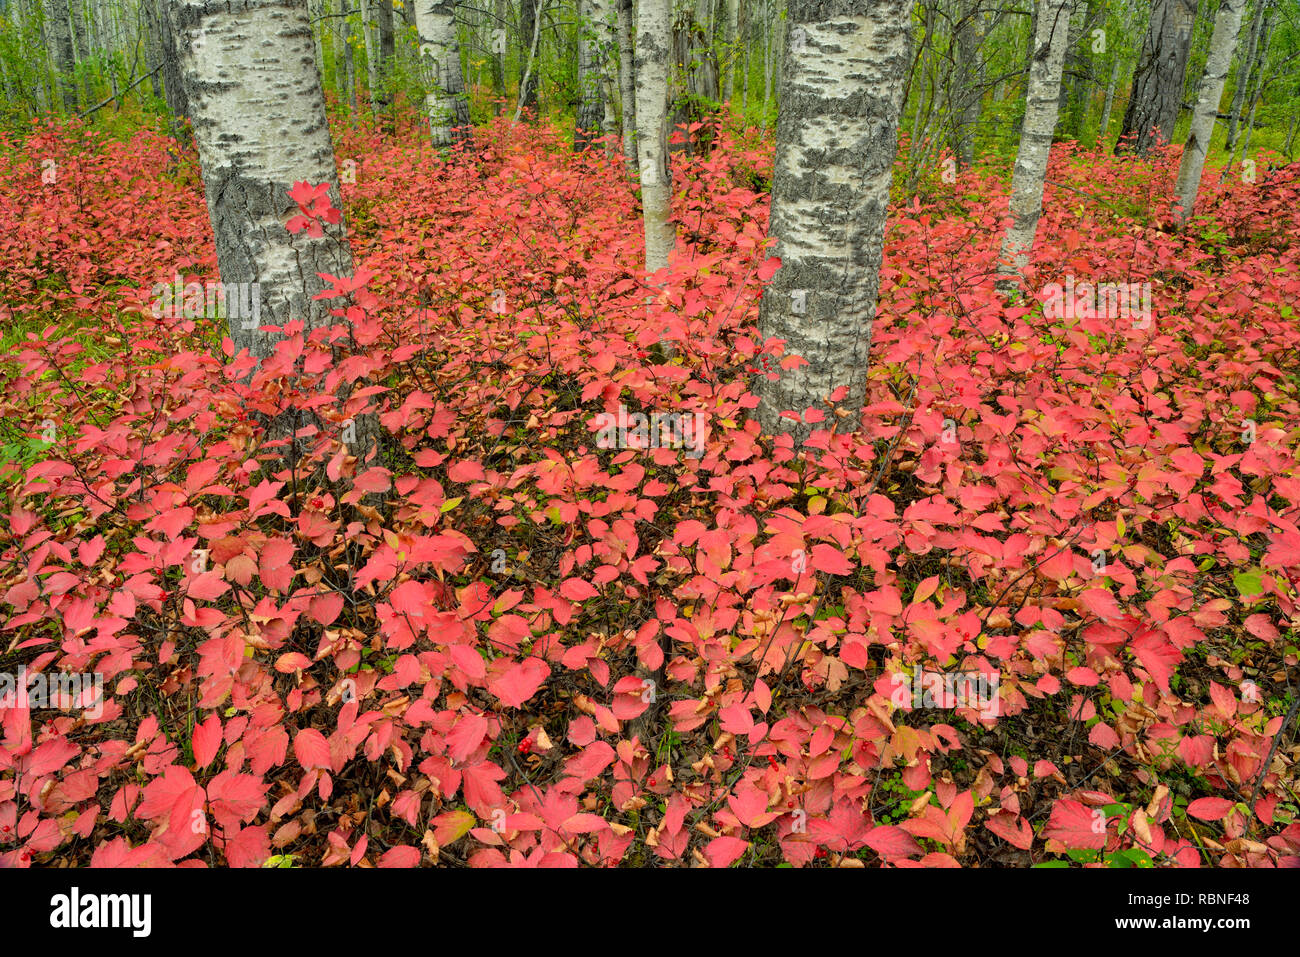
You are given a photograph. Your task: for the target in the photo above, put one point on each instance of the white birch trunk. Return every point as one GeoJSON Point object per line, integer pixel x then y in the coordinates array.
{"type": "Point", "coordinates": [836, 140]}
{"type": "Point", "coordinates": [1042, 99]}
{"type": "Point", "coordinates": [1227, 24]}
{"type": "Point", "coordinates": [259, 119]}
{"type": "Point", "coordinates": [445, 100]}
{"type": "Point", "coordinates": [653, 46]}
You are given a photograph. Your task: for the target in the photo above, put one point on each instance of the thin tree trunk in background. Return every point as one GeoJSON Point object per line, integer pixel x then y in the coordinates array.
{"type": "Point", "coordinates": [530, 16]}
{"type": "Point", "coordinates": [314, 10]}
{"type": "Point", "coordinates": [152, 37]}
{"type": "Point", "coordinates": [653, 47]}
{"type": "Point", "coordinates": [627, 83]}
{"type": "Point", "coordinates": [733, 49]}
{"type": "Point", "coordinates": [1158, 83]}
{"type": "Point", "coordinates": [591, 88]}
{"type": "Point", "coordinates": [81, 50]}
{"type": "Point", "coordinates": [349, 61]}
{"type": "Point", "coordinates": [59, 31]}
{"type": "Point", "coordinates": [1227, 24]}
{"type": "Point", "coordinates": [173, 82]}
{"type": "Point", "coordinates": [836, 139]}
{"type": "Point", "coordinates": [1042, 101]}
{"type": "Point", "coordinates": [968, 83]}
{"type": "Point", "coordinates": [768, 29]}
{"type": "Point", "coordinates": [1104, 124]}
{"type": "Point", "coordinates": [372, 56]}
{"type": "Point", "coordinates": [444, 101]}
{"type": "Point", "coordinates": [386, 50]}
{"type": "Point", "coordinates": [1256, 90]}
{"type": "Point", "coordinates": [498, 51]}
{"type": "Point", "coordinates": [1245, 68]}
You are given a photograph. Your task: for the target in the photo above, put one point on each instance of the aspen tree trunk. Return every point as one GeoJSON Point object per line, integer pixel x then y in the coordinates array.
{"type": "Point", "coordinates": [1257, 83]}
{"type": "Point", "coordinates": [733, 49]}
{"type": "Point", "coordinates": [259, 118]}
{"type": "Point", "coordinates": [1104, 124]}
{"type": "Point", "coordinates": [1227, 24]}
{"type": "Point", "coordinates": [178, 103]}
{"type": "Point", "coordinates": [498, 51]}
{"type": "Point", "coordinates": [152, 37]}
{"type": "Point", "coordinates": [627, 83]}
{"type": "Point", "coordinates": [372, 56]}
{"type": "Point", "coordinates": [529, 41]}
{"type": "Point", "coordinates": [314, 9]}
{"type": "Point", "coordinates": [1158, 83]}
{"type": "Point", "coordinates": [969, 80]}
{"type": "Point", "coordinates": [445, 100]}
{"type": "Point", "coordinates": [1042, 101]}
{"type": "Point", "coordinates": [769, 28]}
{"type": "Point", "coordinates": [337, 27]}
{"type": "Point", "coordinates": [386, 50]}
{"type": "Point", "coordinates": [653, 46]}
{"type": "Point", "coordinates": [58, 25]}
{"type": "Point", "coordinates": [591, 89]}
{"type": "Point", "coordinates": [1245, 67]}
{"type": "Point", "coordinates": [81, 50]}
{"type": "Point", "coordinates": [349, 61]}
{"type": "Point", "coordinates": [836, 140]}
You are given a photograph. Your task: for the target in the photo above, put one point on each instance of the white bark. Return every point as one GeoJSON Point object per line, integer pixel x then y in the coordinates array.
{"type": "Point", "coordinates": [653, 43]}
{"type": "Point", "coordinates": [1042, 99]}
{"type": "Point", "coordinates": [836, 140]}
{"type": "Point", "coordinates": [259, 118]}
{"type": "Point", "coordinates": [1227, 24]}
{"type": "Point", "coordinates": [445, 102]}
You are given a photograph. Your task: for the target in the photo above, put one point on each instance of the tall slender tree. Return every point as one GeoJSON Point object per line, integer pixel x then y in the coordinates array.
{"type": "Point", "coordinates": [1042, 105]}
{"type": "Point", "coordinates": [1227, 24]}
{"type": "Point", "coordinates": [836, 139]}
{"type": "Point", "coordinates": [626, 26]}
{"type": "Point", "coordinates": [653, 45]}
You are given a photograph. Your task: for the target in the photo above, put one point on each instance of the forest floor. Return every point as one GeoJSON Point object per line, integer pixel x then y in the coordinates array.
{"type": "Point", "coordinates": [499, 642]}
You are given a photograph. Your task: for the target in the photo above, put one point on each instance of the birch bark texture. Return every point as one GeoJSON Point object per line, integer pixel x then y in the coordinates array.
{"type": "Point", "coordinates": [1158, 83]}
{"type": "Point", "coordinates": [259, 118]}
{"type": "Point", "coordinates": [1227, 24]}
{"type": "Point", "coordinates": [1042, 105]}
{"type": "Point", "coordinates": [836, 140]}
{"type": "Point", "coordinates": [653, 45]}
{"type": "Point", "coordinates": [626, 27]}
{"type": "Point", "coordinates": [593, 42]}
{"type": "Point", "coordinates": [444, 101]}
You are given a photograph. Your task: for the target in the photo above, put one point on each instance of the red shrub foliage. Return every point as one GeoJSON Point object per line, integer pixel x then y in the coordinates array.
{"type": "Point", "coordinates": [499, 642]}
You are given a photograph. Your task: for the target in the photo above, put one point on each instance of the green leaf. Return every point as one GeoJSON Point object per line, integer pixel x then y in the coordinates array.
{"type": "Point", "coordinates": [1250, 582]}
